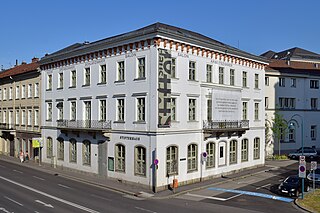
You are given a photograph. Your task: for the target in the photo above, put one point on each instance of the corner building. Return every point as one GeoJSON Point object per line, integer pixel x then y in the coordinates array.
{"type": "Point", "coordinates": [153, 105]}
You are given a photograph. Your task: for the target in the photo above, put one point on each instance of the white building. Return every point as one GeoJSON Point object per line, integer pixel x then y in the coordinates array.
{"type": "Point", "coordinates": [292, 88]}
{"type": "Point", "coordinates": [145, 105]}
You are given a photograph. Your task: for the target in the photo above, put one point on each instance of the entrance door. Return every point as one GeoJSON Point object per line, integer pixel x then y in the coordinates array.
{"type": "Point", "coordinates": [222, 153]}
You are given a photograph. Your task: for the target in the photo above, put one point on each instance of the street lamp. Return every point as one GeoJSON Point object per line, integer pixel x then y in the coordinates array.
{"type": "Point", "coordinates": [291, 126]}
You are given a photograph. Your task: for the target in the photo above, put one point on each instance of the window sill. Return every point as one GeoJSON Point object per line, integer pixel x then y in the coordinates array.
{"type": "Point", "coordinates": [140, 175]}
{"type": "Point", "coordinates": [48, 90]}
{"type": "Point", "coordinates": [72, 87]}
{"type": "Point", "coordinates": [192, 171]}
{"type": "Point", "coordinates": [50, 120]}
{"type": "Point", "coordinates": [86, 85]}
{"type": "Point", "coordinates": [87, 164]}
{"type": "Point", "coordinates": [139, 122]}
{"type": "Point", "coordinates": [119, 81]}
{"type": "Point", "coordinates": [60, 88]}
{"type": "Point", "coordinates": [118, 122]}
{"type": "Point", "coordinates": [140, 79]}
{"type": "Point", "coordinates": [193, 121]}
{"type": "Point", "coordinates": [194, 81]}
{"type": "Point", "coordinates": [102, 83]}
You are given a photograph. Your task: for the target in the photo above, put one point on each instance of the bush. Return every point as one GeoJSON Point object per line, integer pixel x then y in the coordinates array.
{"type": "Point", "coordinates": [280, 157]}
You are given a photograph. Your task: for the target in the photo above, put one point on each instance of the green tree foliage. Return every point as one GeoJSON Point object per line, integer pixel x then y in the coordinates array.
{"type": "Point", "coordinates": [279, 128]}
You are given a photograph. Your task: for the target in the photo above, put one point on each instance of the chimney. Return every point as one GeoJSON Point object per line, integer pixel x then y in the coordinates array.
{"type": "Point", "coordinates": [23, 62]}
{"type": "Point", "coordinates": [35, 59]}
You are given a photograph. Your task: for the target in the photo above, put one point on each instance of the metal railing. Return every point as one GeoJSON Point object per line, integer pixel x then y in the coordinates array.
{"type": "Point", "coordinates": [84, 124]}
{"type": "Point", "coordinates": [218, 125]}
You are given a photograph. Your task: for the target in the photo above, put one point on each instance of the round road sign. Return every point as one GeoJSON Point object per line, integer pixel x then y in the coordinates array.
{"type": "Point", "coordinates": [156, 161]}
{"type": "Point", "coordinates": [302, 168]}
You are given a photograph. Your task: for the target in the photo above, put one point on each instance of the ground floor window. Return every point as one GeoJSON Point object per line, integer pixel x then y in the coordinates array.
{"type": "Point", "coordinates": [172, 160]}
{"type": "Point", "coordinates": [244, 150]}
{"type": "Point", "coordinates": [140, 161]}
{"type": "Point", "coordinates": [256, 148]}
{"type": "Point", "coordinates": [120, 158]}
{"type": "Point", "coordinates": [60, 148]}
{"type": "Point", "coordinates": [73, 150]}
{"type": "Point", "coordinates": [86, 152]}
{"type": "Point", "coordinates": [49, 147]}
{"type": "Point", "coordinates": [233, 152]}
{"type": "Point", "coordinates": [210, 149]}
{"type": "Point", "coordinates": [192, 157]}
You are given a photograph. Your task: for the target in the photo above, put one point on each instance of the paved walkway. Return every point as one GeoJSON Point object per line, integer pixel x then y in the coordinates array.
{"type": "Point", "coordinates": [136, 189]}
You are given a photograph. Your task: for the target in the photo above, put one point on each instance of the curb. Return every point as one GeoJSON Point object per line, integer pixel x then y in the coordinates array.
{"type": "Point", "coordinates": [301, 207]}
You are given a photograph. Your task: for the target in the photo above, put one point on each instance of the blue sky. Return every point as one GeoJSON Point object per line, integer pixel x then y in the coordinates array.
{"type": "Point", "coordinates": [35, 27]}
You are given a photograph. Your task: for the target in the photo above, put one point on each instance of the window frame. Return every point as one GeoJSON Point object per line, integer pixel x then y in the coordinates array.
{"type": "Point", "coordinates": [244, 150]}
{"type": "Point", "coordinates": [141, 68]}
{"type": "Point", "coordinates": [192, 158]}
{"type": "Point", "coordinates": [121, 71]}
{"type": "Point", "coordinates": [103, 74]}
{"type": "Point", "coordinates": [210, 149]}
{"type": "Point", "coordinates": [172, 160]}
{"type": "Point", "coordinates": [233, 149]}
{"type": "Point", "coordinates": [73, 150]}
{"type": "Point", "coordinates": [209, 73]}
{"type": "Point", "coordinates": [140, 164]}
{"type": "Point", "coordinates": [256, 148]}
{"type": "Point", "coordinates": [232, 77]}
{"type": "Point", "coordinates": [86, 153]}
{"type": "Point", "coordinates": [192, 71]}
{"type": "Point", "coordinates": [120, 158]}
{"type": "Point", "coordinates": [192, 109]}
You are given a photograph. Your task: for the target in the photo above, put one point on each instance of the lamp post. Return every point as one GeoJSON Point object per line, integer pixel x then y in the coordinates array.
{"type": "Point", "coordinates": [291, 125]}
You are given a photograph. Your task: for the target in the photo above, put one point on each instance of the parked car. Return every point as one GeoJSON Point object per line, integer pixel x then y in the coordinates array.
{"type": "Point", "coordinates": [292, 186]}
{"type": "Point", "coordinates": [316, 177]}
{"type": "Point", "coordinates": [309, 152]}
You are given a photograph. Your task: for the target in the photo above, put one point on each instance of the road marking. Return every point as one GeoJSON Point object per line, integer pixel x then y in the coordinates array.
{"type": "Point", "coordinates": [64, 186]}
{"type": "Point", "coordinates": [17, 171]}
{"type": "Point", "coordinates": [4, 210]}
{"type": "Point", "coordinates": [207, 197]}
{"type": "Point", "coordinates": [288, 200]}
{"type": "Point", "coordinates": [45, 204]}
{"type": "Point", "coordinates": [103, 198]}
{"type": "Point", "coordinates": [38, 177]}
{"type": "Point", "coordinates": [269, 184]}
{"type": "Point", "coordinates": [146, 210]}
{"type": "Point", "coordinates": [50, 196]}
{"type": "Point", "coordinates": [16, 202]}
{"type": "Point", "coordinates": [234, 196]}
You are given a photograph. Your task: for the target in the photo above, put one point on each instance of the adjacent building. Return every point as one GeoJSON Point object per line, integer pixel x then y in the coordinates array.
{"type": "Point", "coordinates": [20, 108]}
{"type": "Point", "coordinates": [153, 105]}
{"type": "Point", "coordinates": [292, 89]}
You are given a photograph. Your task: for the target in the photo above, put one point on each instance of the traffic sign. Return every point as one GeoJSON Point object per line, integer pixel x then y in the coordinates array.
{"type": "Point", "coordinates": [302, 171]}
{"type": "Point", "coordinates": [204, 156]}
{"type": "Point", "coordinates": [302, 159]}
{"type": "Point", "coordinates": [313, 165]}
{"type": "Point", "coordinates": [156, 162]}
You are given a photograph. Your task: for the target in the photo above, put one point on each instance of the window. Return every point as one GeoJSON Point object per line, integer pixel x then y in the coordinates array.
{"type": "Point", "coordinates": [244, 110]}
{"type": "Point", "coordinates": [73, 78]}
{"type": "Point", "coordinates": [103, 110]}
{"type": "Point", "coordinates": [314, 103]}
{"type": "Point", "coordinates": [192, 70]}
{"type": "Point", "coordinates": [121, 71]}
{"type": "Point", "coordinates": [60, 85]}
{"type": "Point", "coordinates": [244, 150]}
{"type": "Point", "coordinates": [23, 93]}
{"type": "Point", "coordinates": [173, 68]}
{"type": "Point", "coordinates": [256, 81]}
{"type": "Point", "coordinates": [292, 134]}
{"type": "Point", "coordinates": [29, 122]}
{"type": "Point", "coordinates": [17, 92]}
{"type": "Point", "coordinates": [140, 161]}
{"type": "Point", "coordinates": [17, 117]}
{"type": "Point", "coordinates": [282, 82]}
{"type": "Point", "coordinates": [60, 110]}
{"type": "Point", "coordinates": [141, 109]}
{"type": "Point", "coordinates": [23, 121]}
{"type": "Point", "coordinates": [293, 82]}
{"type": "Point", "coordinates": [120, 158]}
{"type": "Point", "coordinates": [73, 110]}
{"type": "Point", "coordinates": [60, 148]}
{"type": "Point", "coordinates": [10, 93]}
{"type": "Point", "coordinates": [5, 94]}
{"type": "Point", "coordinates": [232, 77]}
{"type": "Point", "coordinates": [103, 74]}
{"type": "Point", "coordinates": [192, 158]}
{"type": "Point", "coordinates": [314, 84]}
{"type": "Point", "coordinates": [4, 117]}
{"type": "Point", "coordinates": [209, 73]}
{"type": "Point", "coordinates": [49, 111]}
{"type": "Point", "coordinates": [36, 117]}
{"type": "Point", "coordinates": [281, 133]}
{"type": "Point", "coordinates": [209, 110]}
{"type": "Point", "coordinates": [141, 68]}
{"type": "Point", "coordinates": [244, 79]}
{"type": "Point", "coordinates": [210, 149]}
{"type": "Point", "coordinates": [256, 111]}
{"type": "Point", "coordinates": [233, 152]}
{"type": "Point", "coordinates": [266, 81]}
{"type": "Point", "coordinates": [192, 109]}
{"type": "Point", "coordinates": [36, 90]}
{"type": "Point", "coordinates": [86, 152]}
{"type": "Point", "coordinates": [29, 90]}
{"type": "Point", "coordinates": [172, 160]}
{"type": "Point", "coordinates": [0, 94]}
{"type": "Point", "coordinates": [49, 147]}
{"type": "Point", "coordinates": [173, 109]}
{"type": "Point", "coordinates": [266, 102]}
{"type": "Point", "coordinates": [120, 110]}
{"type": "Point", "coordinates": [221, 75]}
{"type": "Point", "coordinates": [87, 76]}
{"type": "Point", "coordinates": [287, 103]}
{"type": "Point", "coordinates": [256, 148]}
{"type": "Point", "coordinates": [313, 132]}
{"type": "Point", "coordinates": [73, 150]}
{"type": "Point", "coordinates": [49, 82]}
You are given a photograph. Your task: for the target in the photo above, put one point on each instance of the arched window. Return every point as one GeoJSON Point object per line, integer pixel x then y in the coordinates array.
{"type": "Point", "coordinates": [210, 149]}
{"type": "Point", "coordinates": [140, 160]}
{"type": "Point", "coordinates": [172, 160]}
{"type": "Point", "coordinates": [86, 152]}
{"type": "Point", "coordinates": [49, 147]}
{"type": "Point", "coordinates": [192, 157]}
{"type": "Point", "coordinates": [120, 164]}
{"type": "Point", "coordinates": [73, 150]}
{"type": "Point", "coordinates": [60, 148]}
{"type": "Point", "coordinates": [256, 148]}
{"type": "Point", "coordinates": [244, 150]}
{"type": "Point", "coordinates": [233, 152]}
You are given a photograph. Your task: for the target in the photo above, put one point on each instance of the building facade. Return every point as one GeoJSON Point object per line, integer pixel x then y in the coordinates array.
{"type": "Point", "coordinates": [153, 105]}
{"type": "Point", "coordinates": [20, 108]}
{"type": "Point", "coordinates": [292, 89]}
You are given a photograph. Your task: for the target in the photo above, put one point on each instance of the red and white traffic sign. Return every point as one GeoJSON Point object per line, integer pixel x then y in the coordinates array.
{"type": "Point", "coordinates": [302, 171]}
{"type": "Point", "coordinates": [313, 165]}
{"type": "Point", "coordinates": [302, 159]}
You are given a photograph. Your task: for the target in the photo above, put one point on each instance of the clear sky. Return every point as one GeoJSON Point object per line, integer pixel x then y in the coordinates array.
{"type": "Point", "coordinates": [32, 28]}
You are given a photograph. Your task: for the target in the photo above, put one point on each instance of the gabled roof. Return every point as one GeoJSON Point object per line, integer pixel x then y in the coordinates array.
{"type": "Point", "coordinates": [295, 53]}
{"type": "Point", "coordinates": [20, 69]}
{"type": "Point", "coordinates": [294, 67]}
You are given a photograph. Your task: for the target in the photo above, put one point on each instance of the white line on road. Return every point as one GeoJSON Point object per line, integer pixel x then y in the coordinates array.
{"type": "Point", "coordinates": [207, 197]}
{"type": "Point", "coordinates": [64, 186]}
{"type": "Point", "coordinates": [17, 171]}
{"type": "Point", "coordinates": [269, 184]}
{"type": "Point", "coordinates": [50, 196]}
{"type": "Point", "coordinates": [45, 204]}
{"type": "Point", "coordinates": [12, 200]}
{"type": "Point", "coordinates": [38, 177]}
{"type": "Point", "coordinates": [145, 210]}
{"type": "Point", "coordinates": [233, 196]}
{"type": "Point", "coordinates": [103, 198]}
{"type": "Point", "coordinates": [4, 210]}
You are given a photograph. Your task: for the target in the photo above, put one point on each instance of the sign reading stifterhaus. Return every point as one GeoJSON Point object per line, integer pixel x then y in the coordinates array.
{"type": "Point", "coordinates": [164, 89]}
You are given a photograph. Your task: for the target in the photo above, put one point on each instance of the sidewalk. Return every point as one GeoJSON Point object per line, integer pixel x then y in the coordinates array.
{"type": "Point", "coordinates": [136, 189]}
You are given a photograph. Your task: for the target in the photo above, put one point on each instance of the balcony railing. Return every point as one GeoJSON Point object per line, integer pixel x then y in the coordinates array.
{"type": "Point", "coordinates": [84, 124]}
{"type": "Point", "coordinates": [7, 126]}
{"type": "Point", "coordinates": [221, 125]}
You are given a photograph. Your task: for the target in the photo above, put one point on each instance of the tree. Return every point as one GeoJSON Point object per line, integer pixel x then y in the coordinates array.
{"type": "Point", "coordinates": [279, 128]}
